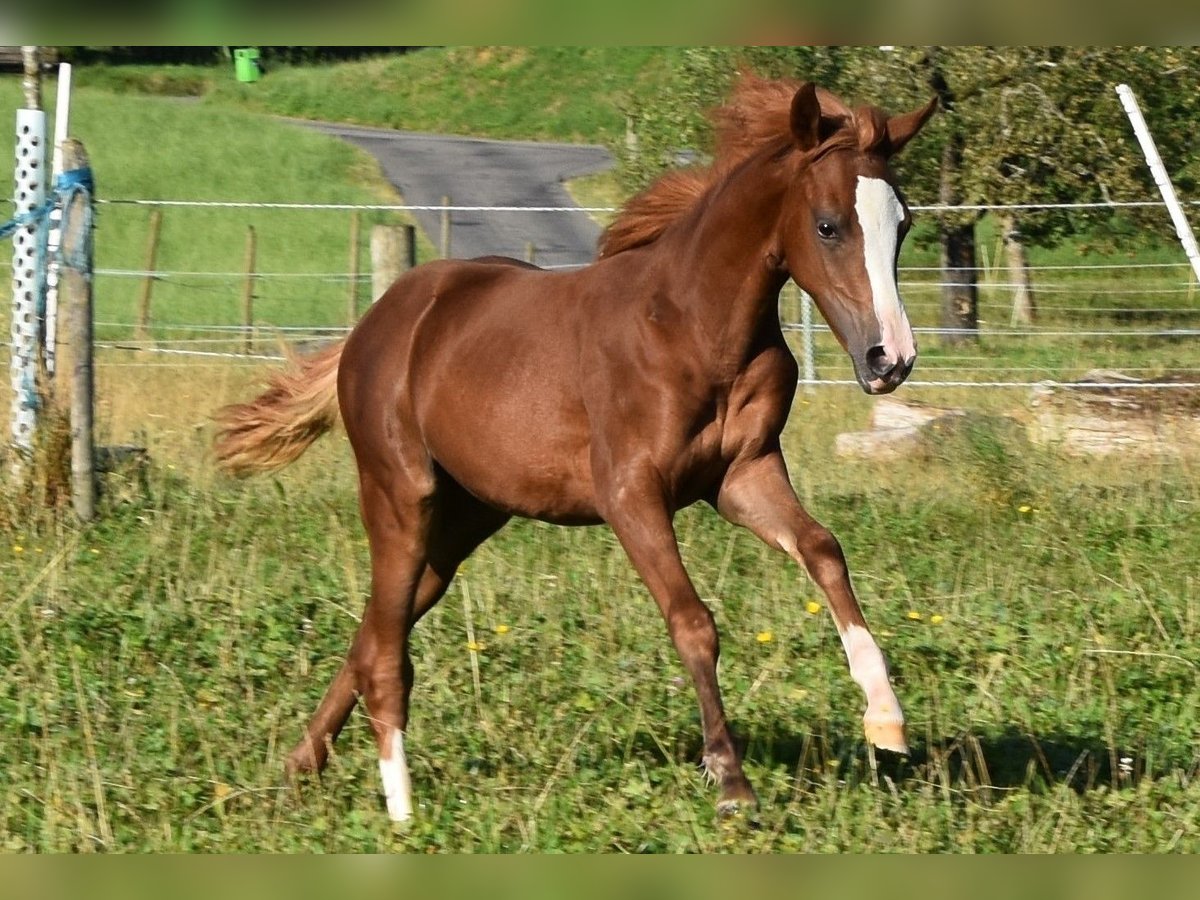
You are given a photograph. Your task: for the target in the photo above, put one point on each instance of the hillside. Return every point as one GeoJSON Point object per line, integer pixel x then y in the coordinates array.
{"type": "Point", "coordinates": [550, 93]}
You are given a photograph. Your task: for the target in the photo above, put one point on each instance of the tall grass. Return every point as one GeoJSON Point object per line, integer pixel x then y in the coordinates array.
{"type": "Point", "coordinates": [1040, 615]}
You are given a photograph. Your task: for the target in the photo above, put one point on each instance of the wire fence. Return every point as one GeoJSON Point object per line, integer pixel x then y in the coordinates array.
{"type": "Point", "coordinates": [1136, 316]}
{"type": "Point", "coordinates": [407, 207]}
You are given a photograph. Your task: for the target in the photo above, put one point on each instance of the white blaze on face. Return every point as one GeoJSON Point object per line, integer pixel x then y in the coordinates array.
{"type": "Point", "coordinates": [879, 216]}
{"type": "Point", "coordinates": [397, 786]}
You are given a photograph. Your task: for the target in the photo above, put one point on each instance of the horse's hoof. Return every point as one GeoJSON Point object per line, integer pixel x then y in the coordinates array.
{"type": "Point", "coordinates": [303, 760]}
{"type": "Point", "coordinates": [887, 735]}
{"type": "Point", "coordinates": [731, 809]}
{"type": "Point", "coordinates": [737, 813]}
{"type": "Point", "coordinates": [400, 814]}
{"type": "Point", "coordinates": [737, 800]}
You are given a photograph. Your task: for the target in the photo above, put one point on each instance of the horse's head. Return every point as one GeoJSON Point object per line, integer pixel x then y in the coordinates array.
{"type": "Point", "coordinates": [842, 226]}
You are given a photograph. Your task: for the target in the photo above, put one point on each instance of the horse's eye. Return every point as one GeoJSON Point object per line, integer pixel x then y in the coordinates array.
{"type": "Point", "coordinates": [827, 230]}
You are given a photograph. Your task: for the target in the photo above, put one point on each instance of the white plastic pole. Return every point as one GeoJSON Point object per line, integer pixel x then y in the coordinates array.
{"type": "Point", "coordinates": [1182, 227]}
{"type": "Point", "coordinates": [29, 194]}
{"type": "Point", "coordinates": [62, 115]}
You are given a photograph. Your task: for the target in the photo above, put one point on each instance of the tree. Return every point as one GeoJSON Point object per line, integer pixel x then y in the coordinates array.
{"type": "Point", "coordinates": [670, 128]}
{"type": "Point", "coordinates": [1026, 125]}
{"type": "Point", "coordinates": [1018, 125]}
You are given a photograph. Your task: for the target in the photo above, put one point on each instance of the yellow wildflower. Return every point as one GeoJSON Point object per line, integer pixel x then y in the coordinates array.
{"type": "Point", "coordinates": [914, 615]}
{"type": "Point", "coordinates": [17, 548]}
{"type": "Point", "coordinates": [764, 637]}
{"type": "Point", "coordinates": [812, 607]}
{"type": "Point", "coordinates": [501, 629]}
{"type": "Point", "coordinates": [1024, 508]}
{"type": "Point", "coordinates": [936, 619]}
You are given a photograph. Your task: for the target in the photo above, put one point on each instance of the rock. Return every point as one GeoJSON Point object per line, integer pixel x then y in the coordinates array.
{"type": "Point", "coordinates": [884, 443]}
{"type": "Point", "coordinates": [1103, 420]}
{"type": "Point", "coordinates": [897, 429]}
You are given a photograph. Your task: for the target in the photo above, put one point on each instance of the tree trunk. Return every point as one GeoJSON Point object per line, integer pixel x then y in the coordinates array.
{"type": "Point", "coordinates": [960, 294]}
{"type": "Point", "coordinates": [1024, 311]}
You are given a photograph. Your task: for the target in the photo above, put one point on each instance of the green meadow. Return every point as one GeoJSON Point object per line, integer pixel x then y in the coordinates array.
{"type": "Point", "coordinates": [1041, 613]}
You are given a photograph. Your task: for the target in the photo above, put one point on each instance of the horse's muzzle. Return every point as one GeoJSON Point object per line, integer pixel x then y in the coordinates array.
{"type": "Point", "coordinates": [880, 375]}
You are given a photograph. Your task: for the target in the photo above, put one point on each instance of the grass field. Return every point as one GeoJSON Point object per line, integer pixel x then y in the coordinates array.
{"type": "Point", "coordinates": [548, 93]}
{"type": "Point", "coordinates": [1041, 614]}
{"type": "Point", "coordinates": [147, 148]}
{"type": "Point", "coordinates": [576, 94]}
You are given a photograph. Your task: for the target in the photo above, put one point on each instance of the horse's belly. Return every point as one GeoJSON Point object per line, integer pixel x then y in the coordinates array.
{"type": "Point", "coordinates": [524, 452]}
{"type": "Point", "coordinates": [521, 475]}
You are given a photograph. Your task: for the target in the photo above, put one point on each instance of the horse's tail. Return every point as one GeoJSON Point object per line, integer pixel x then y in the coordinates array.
{"type": "Point", "coordinates": [272, 430]}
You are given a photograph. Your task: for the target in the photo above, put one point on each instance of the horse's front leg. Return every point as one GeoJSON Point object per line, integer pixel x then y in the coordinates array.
{"type": "Point", "coordinates": [758, 495]}
{"type": "Point", "coordinates": [641, 519]}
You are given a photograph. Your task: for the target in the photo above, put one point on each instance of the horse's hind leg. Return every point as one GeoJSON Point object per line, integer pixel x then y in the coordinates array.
{"type": "Point", "coordinates": [397, 518]}
{"type": "Point", "coordinates": [312, 752]}
{"type": "Point", "coordinates": [440, 534]}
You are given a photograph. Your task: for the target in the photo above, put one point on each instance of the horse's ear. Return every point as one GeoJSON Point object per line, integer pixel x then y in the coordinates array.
{"type": "Point", "coordinates": [809, 126]}
{"type": "Point", "coordinates": [901, 129]}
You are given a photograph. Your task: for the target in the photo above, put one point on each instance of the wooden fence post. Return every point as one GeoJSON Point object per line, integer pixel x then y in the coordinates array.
{"type": "Point", "coordinates": [143, 322]}
{"type": "Point", "coordinates": [1024, 309]}
{"type": "Point", "coordinates": [409, 256]}
{"type": "Point", "coordinates": [75, 284]}
{"type": "Point", "coordinates": [248, 290]}
{"type": "Point", "coordinates": [393, 252]}
{"type": "Point", "coordinates": [355, 251]}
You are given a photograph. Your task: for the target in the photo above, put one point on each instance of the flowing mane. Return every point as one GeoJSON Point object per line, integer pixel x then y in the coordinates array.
{"type": "Point", "coordinates": [757, 115]}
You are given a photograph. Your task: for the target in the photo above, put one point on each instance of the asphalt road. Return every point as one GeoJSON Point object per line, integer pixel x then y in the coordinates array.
{"type": "Point", "coordinates": [479, 172]}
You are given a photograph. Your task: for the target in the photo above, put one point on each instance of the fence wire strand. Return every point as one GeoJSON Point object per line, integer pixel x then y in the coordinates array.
{"type": "Point", "coordinates": [204, 346]}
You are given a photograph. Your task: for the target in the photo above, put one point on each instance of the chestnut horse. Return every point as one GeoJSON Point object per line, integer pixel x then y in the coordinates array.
{"type": "Point", "coordinates": [657, 376]}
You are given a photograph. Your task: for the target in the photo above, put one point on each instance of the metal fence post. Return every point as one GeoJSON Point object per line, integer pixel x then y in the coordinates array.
{"type": "Point", "coordinates": [248, 290]}
{"type": "Point", "coordinates": [30, 194]}
{"type": "Point", "coordinates": [445, 227]}
{"type": "Point", "coordinates": [355, 253]}
{"type": "Point", "coordinates": [806, 328]}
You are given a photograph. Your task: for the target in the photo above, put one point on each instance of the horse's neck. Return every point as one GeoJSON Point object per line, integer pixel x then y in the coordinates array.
{"type": "Point", "coordinates": [727, 258]}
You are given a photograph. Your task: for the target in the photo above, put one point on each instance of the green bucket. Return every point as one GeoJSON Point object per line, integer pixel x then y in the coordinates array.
{"type": "Point", "coordinates": [246, 65]}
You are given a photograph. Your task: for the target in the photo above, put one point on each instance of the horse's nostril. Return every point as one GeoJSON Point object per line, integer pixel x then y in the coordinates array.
{"type": "Point", "coordinates": [879, 363]}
